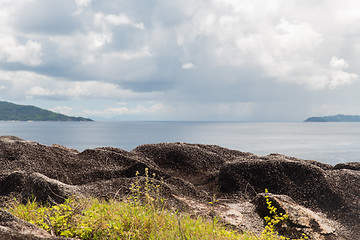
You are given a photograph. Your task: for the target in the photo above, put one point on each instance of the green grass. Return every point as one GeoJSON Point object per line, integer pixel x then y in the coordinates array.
{"type": "Point", "coordinates": [142, 215]}
{"type": "Point", "coordinates": [100, 219]}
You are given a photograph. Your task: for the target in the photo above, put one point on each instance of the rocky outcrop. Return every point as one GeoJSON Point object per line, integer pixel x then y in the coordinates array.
{"type": "Point", "coordinates": [321, 200]}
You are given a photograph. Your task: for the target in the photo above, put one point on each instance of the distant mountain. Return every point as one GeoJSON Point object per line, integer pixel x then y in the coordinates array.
{"type": "Point", "coordinates": [13, 112]}
{"type": "Point", "coordinates": [336, 118]}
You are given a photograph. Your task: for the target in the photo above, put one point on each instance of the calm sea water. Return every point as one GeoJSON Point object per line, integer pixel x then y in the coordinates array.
{"type": "Point", "coordinates": [326, 142]}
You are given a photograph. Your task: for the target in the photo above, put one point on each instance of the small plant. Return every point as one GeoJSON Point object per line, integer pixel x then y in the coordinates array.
{"type": "Point", "coordinates": [275, 220]}
{"type": "Point", "coordinates": [213, 214]}
{"type": "Point", "coordinates": [147, 192]}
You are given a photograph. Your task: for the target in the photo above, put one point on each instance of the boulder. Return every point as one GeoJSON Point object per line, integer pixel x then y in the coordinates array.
{"type": "Point", "coordinates": [35, 185]}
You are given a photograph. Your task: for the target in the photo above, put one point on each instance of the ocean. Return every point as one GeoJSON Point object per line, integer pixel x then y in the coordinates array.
{"type": "Point", "coordinates": [329, 143]}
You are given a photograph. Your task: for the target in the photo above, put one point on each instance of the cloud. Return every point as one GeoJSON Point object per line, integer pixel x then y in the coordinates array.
{"type": "Point", "coordinates": [102, 20]}
{"type": "Point", "coordinates": [82, 3]}
{"type": "Point", "coordinates": [29, 85]}
{"type": "Point", "coordinates": [340, 78]}
{"type": "Point", "coordinates": [104, 24]}
{"type": "Point", "coordinates": [207, 60]}
{"type": "Point", "coordinates": [282, 46]}
{"type": "Point", "coordinates": [331, 76]}
{"type": "Point", "coordinates": [98, 40]}
{"type": "Point", "coordinates": [86, 89]}
{"type": "Point", "coordinates": [339, 63]}
{"type": "Point", "coordinates": [215, 111]}
{"type": "Point", "coordinates": [62, 109]}
{"type": "Point", "coordinates": [45, 17]}
{"type": "Point", "coordinates": [141, 53]}
{"type": "Point", "coordinates": [188, 65]}
{"type": "Point", "coordinates": [174, 111]}
{"type": "Point", "coordinates": [16, 83]}
{"type": "Point", "coordinates": [138, 110]}
{"type": "Point", "coordinates": [11, 50]}
{"type": "Point", "coordinates": [334, 109]}
{"type": "Point", "coordinates": [39, 91]}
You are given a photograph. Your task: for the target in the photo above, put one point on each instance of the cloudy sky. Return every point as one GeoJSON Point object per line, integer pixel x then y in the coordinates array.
{"type": "Point", "coordinates": [249, 60]}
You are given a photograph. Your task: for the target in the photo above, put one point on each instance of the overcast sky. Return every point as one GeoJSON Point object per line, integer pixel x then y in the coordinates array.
{"type": "Point", "coordinates": [248, 60]}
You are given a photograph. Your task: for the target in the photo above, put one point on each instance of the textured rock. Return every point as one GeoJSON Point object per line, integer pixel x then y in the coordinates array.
{"type": "Point", "coordinates": [321, 200]}
{"type": "Point", "coordinates": [13, 228]}
{"type": "Point", "coordinates": [349, 165]}
{"type": "Point", "coordinates": [27, 185]}
{"type": "Point", "coordinates": [300, 221]}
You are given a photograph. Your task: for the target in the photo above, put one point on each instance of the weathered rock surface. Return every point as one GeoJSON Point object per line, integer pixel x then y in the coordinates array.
{"type": "Point", "coordinates": [300, 219]}
{"type": "Point", "coordinates": [321, 200]}
{"type": "Point", "coordinates": [13, 228]}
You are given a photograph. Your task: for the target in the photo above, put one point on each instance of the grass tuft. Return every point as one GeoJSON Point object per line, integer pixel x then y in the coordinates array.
{"type": "Point", "coordinates": [141, 215]}
{"type": "Point", "coordinates": [100, 219]}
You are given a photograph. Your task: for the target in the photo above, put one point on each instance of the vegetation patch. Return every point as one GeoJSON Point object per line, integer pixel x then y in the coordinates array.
{"type": "Point", "coordinates": [142, 215]}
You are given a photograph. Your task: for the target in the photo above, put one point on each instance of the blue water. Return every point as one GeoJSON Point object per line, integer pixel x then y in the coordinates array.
{"type": "Point", "coordinates": [326, 142]}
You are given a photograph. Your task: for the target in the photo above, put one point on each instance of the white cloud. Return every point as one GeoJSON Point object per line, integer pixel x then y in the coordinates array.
{"type": "Point", "coordinates": [6, 10]}
{"type": "Point", "coordinates": [339, 63]}
{"type": "Point", "coordinates": [106, 20]}
{"type": "Point", "coordinates": [141, 53]}
{"type": "Point", "coordinates": [21, 76]}
{"type": "Point", "coordinates": [177, 110]}
{"type": "Point", "coordinates": [188, 65]}
{"type": "Point", "coordinates": [38, 91]}
{"type": "Point", "coordinates": [98, 40]}
{"type": "Point", "coordinates": [87, 89]}
{"type": "Point", "coordinates": [25, 84]}
{"type": "Point", "coordinates": [346, 14]}
{"type": "Point", "coordinates": [62, 109]}
{"type": "Point", "coordinates": [82, 3]}
{"type": "Point", "coordinates": [18, 83]}
{"type": "Point", "coordinates": [99, 43]}
{"type": "Point", "coordinates": [277, 39]}
{"type": "Point", "coordinates": [321, 77]}
{"type": "Point", "coordinates": [138, 110]}
{"type": "Point", "coordinates": [340, 78]}
{"type": "Point", "coordinates": [11, 51]}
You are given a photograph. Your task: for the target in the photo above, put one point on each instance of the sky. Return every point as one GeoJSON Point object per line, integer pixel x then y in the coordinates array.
{"type": "Point", "coordinates": [182, 60]}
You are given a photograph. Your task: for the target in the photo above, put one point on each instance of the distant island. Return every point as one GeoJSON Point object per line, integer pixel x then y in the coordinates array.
{"type": "Point", "coordinates": [336, 118]}
{"type": "Point", "coordinates": [14, 112]}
